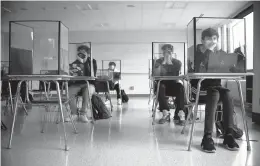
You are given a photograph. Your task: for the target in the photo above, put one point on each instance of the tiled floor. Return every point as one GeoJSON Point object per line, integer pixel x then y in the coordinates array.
{"type": "Point", "coordinates": [127, 139]}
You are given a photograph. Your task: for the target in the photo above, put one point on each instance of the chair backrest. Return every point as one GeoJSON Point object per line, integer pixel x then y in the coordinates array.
{"type": "Point", "coordinates": [116, 75]}
{"type": "Point", "coordinates": [101, 86]}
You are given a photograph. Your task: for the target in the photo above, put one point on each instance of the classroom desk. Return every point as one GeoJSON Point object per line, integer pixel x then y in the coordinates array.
{"type": "Point", "coordinates": [49, 78]}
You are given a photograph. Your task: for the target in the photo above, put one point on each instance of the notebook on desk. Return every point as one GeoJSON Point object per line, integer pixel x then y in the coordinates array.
{"type": "Point", "coordinates": [222, 63]}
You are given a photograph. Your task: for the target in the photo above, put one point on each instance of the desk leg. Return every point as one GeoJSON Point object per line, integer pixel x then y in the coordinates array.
{"type": "Point", "coordinates": [111, 105]}
{"type": "Point", "coordinates": [15, 112]}
{"type": "Point", "coordinates": [195, 113]}
{"type": "Point", "coordinates": [243, 114]}
{"type": "Point", "coordinates": [62, 116]}
{"type": "Point", "coordinates": [23, 105]}
{"type": "Point", "coordinates": [90, 102]}
{"type": "Point", "coordinates": [11, 97]}
{"type": "Point", "coordinates": [156, 102]}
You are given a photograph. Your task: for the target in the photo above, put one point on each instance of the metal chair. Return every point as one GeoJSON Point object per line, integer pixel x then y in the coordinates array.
{"type": "Point", "coordinates": [242, 110]}
{"type": "Point", "coordinates": [202, 101]}
{"type": "Point", "coordinates": [187, 106]}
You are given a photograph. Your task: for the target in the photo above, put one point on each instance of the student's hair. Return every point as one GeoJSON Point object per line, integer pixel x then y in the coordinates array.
{"type": "Point", "coordinates": [209, 33]}
{"type": "Point", "coordinates": [167, 46]}
{"type": "Point", "coordinates": [112, 64]}
{"type": "Point", "coordinates": [85, 48]}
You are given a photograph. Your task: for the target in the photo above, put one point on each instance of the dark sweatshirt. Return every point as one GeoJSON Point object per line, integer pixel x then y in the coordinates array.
{"type": "Point", "coordinates": [201, 66]}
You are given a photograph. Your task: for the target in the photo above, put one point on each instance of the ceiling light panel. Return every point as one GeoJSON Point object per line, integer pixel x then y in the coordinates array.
{"type": "Point", "coordinates": [175, 5]}
{"type": "Point", "coordinates": [171, 16]}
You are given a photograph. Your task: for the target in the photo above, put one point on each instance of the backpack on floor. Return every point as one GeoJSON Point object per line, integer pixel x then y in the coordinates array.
{"type": "Point", "coordinates": [124, 96]}
{"type": "Point", "coordinates": [100, 110]}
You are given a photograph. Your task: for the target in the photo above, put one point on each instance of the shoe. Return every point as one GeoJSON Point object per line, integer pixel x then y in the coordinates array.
{"type": "Point", "coordinates": [181, 115]}
{"type": "Point", "coordinates": [230, 143]}
{"type": "Point", "coordinates": [83, 118]}
{"type": "Point", "coordinates": [165, 118]}
{"type": "Point", "coordinates": [207, 144]}
{"type": "Point", "coordinates": [237, 132]}
{"type": "Point", "coordinates": [119, 102]}
{"type": "Point", "coordinates": [73, 117]}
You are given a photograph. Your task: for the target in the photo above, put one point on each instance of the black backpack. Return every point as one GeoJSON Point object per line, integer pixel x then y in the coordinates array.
{"type": "Point", "coordinates": [100, 110]}
{"type": "Point", "coordinates": [124, 96]}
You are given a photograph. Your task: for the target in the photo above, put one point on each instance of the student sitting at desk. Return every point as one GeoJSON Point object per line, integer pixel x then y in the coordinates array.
{"type": "Point", "coordinates": [81, 67]}
{"type": "Point", "coordinates": [215, 93]}
{"type": "Point", "coordinates": [169, 66]}
{"type": "Point", "coordinates": [115, 84]}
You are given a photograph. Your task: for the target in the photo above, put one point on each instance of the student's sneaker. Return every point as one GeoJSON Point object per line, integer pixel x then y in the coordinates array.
{"type": "Point", "coordinates": [83, 118]}
{"type": "Point", "coordinates": [165, 118]}
{"type": "Point", "coordinates": [107, 102]}
{"type": "Point", "coordinates": [230, 143]}
{"type": "Point", "coordinates": [119, 102]}
{"type": "Point", "coordinates": [181, 115]}
{"type": "Point", "coordinates": [73, 117]}
{"type": "Point", "coordinates": [207, 144]}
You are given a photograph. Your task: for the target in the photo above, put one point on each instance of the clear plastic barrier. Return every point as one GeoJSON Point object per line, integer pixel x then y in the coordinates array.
{"type": "Point", "coordinates": [216, 45]}
{"type": "Point", "coordinates": [38, 47]}
{"type": "Point", "coordinates": [168, 59]}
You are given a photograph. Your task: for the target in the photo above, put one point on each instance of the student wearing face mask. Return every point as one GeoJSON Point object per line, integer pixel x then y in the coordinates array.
{"type": "Point", "coordinates": [81, 67]}
{"type": "Point", "coordinates": [215, 93]}
{"type": "Point", "coordinates": [115, 84]}
{"type": "Point", "coordinates": [169, 66]}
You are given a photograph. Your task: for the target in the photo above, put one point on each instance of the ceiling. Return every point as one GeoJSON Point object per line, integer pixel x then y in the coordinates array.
{"type": "Point", "coordinates": [116, 15]}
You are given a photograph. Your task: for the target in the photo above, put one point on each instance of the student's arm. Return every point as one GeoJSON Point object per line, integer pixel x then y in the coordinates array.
{"type": "Point", "coordinates": [197, 61]}
{"type": "Point", "coordinates": [157, 68]}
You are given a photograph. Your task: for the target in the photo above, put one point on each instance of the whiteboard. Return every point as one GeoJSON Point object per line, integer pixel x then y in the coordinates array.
{"type": "Point", "coordinates": [133, 56]}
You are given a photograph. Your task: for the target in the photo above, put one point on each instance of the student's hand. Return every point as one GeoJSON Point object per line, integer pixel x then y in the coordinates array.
{"type": "Point", "coordinates": [212, 46]}
{"type": "Point", "coordinates": [167, 60]}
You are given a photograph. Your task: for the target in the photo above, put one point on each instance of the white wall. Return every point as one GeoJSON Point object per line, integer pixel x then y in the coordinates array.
{"type": "Point", "coordinates": [139, 81]}
{"type": "Point", "coordinates": [256, 78]}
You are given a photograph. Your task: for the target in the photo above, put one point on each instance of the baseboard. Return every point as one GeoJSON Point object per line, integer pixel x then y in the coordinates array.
{"type": "Point", "coordinates": [256, 118]}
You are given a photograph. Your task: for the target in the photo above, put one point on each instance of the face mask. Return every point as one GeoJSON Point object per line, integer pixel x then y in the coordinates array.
{"type": "Point", "coordinates": [82, 57]}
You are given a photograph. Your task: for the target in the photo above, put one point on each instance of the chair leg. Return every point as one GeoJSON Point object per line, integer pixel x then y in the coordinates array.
{"type": "Point", "coordinates": [68, 107]}
{"type": "Point", "coordinates": [150, 95]}
{"type": "Point", "coordinates": [11, 97]}
{"type": "Point", "coordinates": [195, 113]}
{"type": "Point", "coordinates": [62, 116]}
{"type": "Point", "coordinates": [153, 105]}
{"type": "Point", "coordinates": [3, 126]}
{"type": "Point", "coordinates": [243, 114]}
{"type": "Point", "coordinates": [156, 102]}
{"type": "Point", "coordinates": [109, 98]}
{"type": "Point", "coordinates": [44, 119]}
{"type": "Point", "coordinates": [72, 121]}
{"type": "Point", "coordinates": [24, 108]}
{"type": "Point", "coordinates": [90, 102]}
{"type": "Point", "coordinates": [187, 120]}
